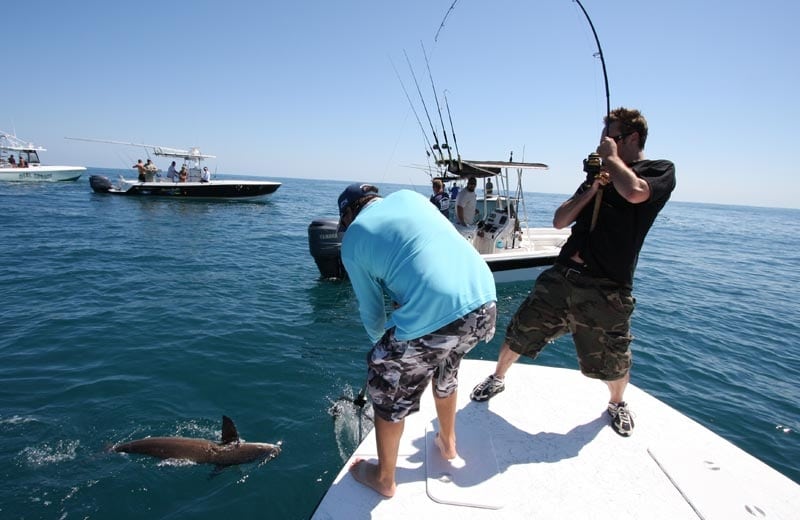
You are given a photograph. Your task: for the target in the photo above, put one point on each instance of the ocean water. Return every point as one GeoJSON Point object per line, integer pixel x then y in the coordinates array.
{"type": "Point", "coordinates": [124, 317]}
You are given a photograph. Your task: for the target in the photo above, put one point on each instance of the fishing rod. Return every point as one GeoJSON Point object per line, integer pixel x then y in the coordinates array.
{"type": "Point", "coordinates": [599, 54]}
{"type": "Point", "coordinates": [441, 25]}
{"type": "Point", "coordinates": [593, 163]}
{"type": "Point", "coordinates": [452, 129]}
{"type": "Point", "coordinates": [438, 107]}
{"type": "Point", "coordinates": [419, 122]}
{"type": "Point", "coordinates": [427, 114]}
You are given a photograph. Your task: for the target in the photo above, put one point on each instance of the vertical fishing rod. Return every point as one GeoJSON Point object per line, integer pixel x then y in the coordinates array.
{"type": "Point", "coordinates": [452, 129]}
{"type": "Point", "coordinates": [419, 122]}
{"type": "Point", "coordinates": [593, 164]}
{"type": "Point", "coordinates": [438, 107]}
{"type": "Point", "coordinates": [422, 99]}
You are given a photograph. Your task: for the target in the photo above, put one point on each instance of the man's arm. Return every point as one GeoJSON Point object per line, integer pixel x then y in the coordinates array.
{"type": "Point", "coordinates": [632, 188]}
{"type": "Point", "coordinates": [568, 212]}
{"type": "Point", "coordinates": [369, 294]}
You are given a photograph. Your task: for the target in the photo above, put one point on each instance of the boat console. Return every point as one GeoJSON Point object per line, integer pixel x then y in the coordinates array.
{"type": "Point", "coordinates": [496, 234]}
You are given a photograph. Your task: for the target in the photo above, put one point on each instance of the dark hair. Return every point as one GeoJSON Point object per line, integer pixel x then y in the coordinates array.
{"type": "Point", "coordinates": [631, 121]}
{"type": "Point", "coordinates": [358, 205]}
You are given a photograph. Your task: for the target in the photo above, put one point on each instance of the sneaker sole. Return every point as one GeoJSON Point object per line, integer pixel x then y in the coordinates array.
{"type": "Point", "coordinates": [481, 399]}
{"type": "Point", "coordinates": [622, 433]}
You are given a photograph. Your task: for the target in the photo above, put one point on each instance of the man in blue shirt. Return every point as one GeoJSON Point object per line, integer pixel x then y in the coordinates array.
{"type": "Point", "coordinates": [442, 297]}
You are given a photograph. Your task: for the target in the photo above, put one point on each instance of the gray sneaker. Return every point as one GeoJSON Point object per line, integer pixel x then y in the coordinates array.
{"type": "Point", "coordinates": [621, 418]}
{"type": "Point", "coordinates": [489, 387]}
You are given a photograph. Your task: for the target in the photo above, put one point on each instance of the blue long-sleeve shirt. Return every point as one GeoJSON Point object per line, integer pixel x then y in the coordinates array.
{"type": "Point", "coordinates": [403, 247]}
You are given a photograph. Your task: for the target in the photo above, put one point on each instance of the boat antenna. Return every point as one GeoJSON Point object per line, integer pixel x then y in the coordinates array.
{"type": "Point", "coordinates": [452, 129]}
{"type": "Point", "coordinates": [411, 104]}
{"type": "Point", "coordinates": [441, 25]}
{"type": "Point", "coordinates": [424, 106]}
{"type": "Point", "coordinates": [438, 107]}
{"type": "Point", "coordinates": [598, 198]}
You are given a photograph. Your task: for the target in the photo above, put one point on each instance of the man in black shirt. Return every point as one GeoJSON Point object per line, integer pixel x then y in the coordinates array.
{"type": "Point", "coordinates": [588, 292]}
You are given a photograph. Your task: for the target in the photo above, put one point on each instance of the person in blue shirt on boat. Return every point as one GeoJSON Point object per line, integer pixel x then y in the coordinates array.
{"type": "Point", "coordinates": [588, 292]}
{"type": "Point", "coordinates": [453, 191]}
{"type": "Point", "coordinates": [172, 172]}
{"type": "Point", "coordinates": [443, 304]}
{"type": "Point", "coordinates": [440, 199]}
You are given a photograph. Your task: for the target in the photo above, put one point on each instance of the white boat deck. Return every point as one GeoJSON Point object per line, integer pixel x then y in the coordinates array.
{"type": "Point", "coordinates": [543, 449]}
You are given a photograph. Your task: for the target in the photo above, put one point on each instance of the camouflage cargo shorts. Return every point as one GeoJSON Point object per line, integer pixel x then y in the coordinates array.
{"type": "Point", "coordinates": [399, 371]}
{"type": "Point", "coordinates": [596, 311]}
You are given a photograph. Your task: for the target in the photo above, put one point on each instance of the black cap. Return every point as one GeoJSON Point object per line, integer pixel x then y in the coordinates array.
{"type": "Point", "coordinates": [353, 193]}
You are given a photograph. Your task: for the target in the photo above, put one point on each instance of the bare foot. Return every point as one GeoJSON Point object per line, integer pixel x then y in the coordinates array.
{"type": "Point", "coordinates": [367, 474]}
{"type": "Point", "coordinates": [448, 452]}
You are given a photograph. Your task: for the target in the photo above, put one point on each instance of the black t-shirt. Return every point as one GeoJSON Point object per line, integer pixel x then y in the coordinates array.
{"type": "Point", "coordinates": [612, 248]}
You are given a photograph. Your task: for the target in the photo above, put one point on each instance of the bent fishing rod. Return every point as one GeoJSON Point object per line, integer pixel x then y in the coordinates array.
{"type": "Point", "coordinates": [599, 54]}
{"type": "Point", "coordinates": [592, 164]}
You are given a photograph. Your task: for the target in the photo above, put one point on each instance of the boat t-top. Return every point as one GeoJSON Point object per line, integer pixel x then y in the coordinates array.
{"type": "Point", "coordinates": [192, 181]}
{"type": "Point", "coordinates": [19, 161]}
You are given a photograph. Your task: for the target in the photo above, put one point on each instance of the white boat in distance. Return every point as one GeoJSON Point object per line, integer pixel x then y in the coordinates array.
{"type": "Point", "coordinates": [19, 162]}
{"type": "Point", "coordinates": [513, 250]}
{"type": "Point", "coordinates": [194, 186]}
{"type": "Point", "coordinates": [544, 449]}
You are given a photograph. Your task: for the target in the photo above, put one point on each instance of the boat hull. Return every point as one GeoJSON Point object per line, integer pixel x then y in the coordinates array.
{"type": "Point", "coordinates": [41, 174]}
{"type": "Point", "coordinates": [217, 189]}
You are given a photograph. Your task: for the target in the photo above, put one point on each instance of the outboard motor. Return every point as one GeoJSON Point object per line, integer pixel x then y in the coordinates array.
{"type": "Point", "coordinates": [100, 184]}
{"type": "Point", "coordinates": [325, 244]}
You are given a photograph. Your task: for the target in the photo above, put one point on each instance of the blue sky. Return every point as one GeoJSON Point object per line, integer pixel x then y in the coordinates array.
{"type": "Point", "coordinates": [307, 89]}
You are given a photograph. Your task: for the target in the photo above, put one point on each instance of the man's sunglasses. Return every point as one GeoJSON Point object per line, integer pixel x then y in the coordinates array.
{"type": "Point", "coordinates": [620, 137]}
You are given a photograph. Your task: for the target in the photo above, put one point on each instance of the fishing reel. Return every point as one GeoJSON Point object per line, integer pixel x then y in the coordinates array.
{"type": "Point", "coordinates": [592, 165]}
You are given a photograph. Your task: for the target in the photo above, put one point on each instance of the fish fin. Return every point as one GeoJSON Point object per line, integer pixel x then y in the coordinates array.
{"type": "Point", "coordinates": [229, 433]}
{"type": "Point", "coordinates": [216, 471]}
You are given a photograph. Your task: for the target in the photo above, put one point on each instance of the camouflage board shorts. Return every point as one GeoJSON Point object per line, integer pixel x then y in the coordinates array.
{"type": "Point", "coordinates": [399, 371]}
{"type": "Point", "coordinates": [596, 311]}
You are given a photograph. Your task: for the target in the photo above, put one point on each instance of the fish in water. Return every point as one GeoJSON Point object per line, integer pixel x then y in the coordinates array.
{"type": "Point", "coordinates": [229, 452]}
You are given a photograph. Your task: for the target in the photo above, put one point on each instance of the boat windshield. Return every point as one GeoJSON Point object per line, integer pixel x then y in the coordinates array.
{"type": "Point", "coordinates": [30, 156]}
